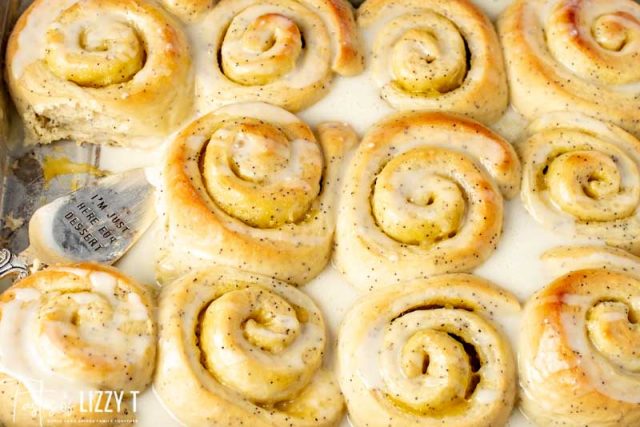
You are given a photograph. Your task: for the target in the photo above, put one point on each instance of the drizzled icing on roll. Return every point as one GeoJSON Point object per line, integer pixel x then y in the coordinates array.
{"type": "Point", "coordinates": [68, 332]}
{"type": "Point", "coordinates": [282, 52]}
{"type": "Point", "coordinates": [99, 71]}
{"type": "Point", "coordinates": [574, 55]}
{"type": "Point", "coordinates": [250, 186]}
{"type": "Point", "coordinates": [582, 177]}
{"type": "Point", "coordinates": [422, 196]}
{"type": "Point", "coordinates": [578, 347]}
{"type": "Point", "coordinates": [243, 349]}
{"type": "Point", "coordinates": [428, 353]}
{"type": "Point", "coordinates": [435, 55]}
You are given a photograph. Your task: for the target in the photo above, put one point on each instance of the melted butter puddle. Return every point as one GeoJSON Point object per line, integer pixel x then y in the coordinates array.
{"type": "Point", "coordinates": [53, 167]}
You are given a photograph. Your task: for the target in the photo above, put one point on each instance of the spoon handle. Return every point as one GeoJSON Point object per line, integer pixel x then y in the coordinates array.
{"type": "Point", "coordinates": [12, 264]}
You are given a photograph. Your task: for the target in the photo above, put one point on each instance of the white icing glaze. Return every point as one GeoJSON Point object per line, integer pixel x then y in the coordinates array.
{"type": "Point", "coordinates": [309, 66]}
{"type": "Point", "coordinates": [587, 14]}
{"type": "Point", "coordinates": [209, 35]}
{"type": "Point", "coordinates": [23, 335]}
{"type": "Point", "coordinates": [603, 376]}
{"type": "Point", "coordinates": [486, 396]}
{"type": "Point", "coordinates": [559, 265]}
{"type": "Point", "coordinates": [38, 24]}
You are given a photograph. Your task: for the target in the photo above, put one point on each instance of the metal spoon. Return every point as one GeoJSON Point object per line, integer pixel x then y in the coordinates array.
{"type": "Point", "coordinates": [98, 223]}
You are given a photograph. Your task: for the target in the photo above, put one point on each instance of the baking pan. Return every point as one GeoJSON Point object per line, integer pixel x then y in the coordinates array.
{"type": "Point", "coordinates": [32, 176]}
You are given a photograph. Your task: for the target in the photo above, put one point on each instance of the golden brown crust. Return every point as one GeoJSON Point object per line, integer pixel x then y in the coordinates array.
{"type": "Point", "coordinates": [423, 195]}
{"type": "Point", "coordinates": [436, 55]}
{"type": "Point", "coordinates": [212, 220]}
{"type": "Point", "coordinates": [578, 345]}
{"type": "Point", "coordinates": [282, 52]}
{"type": "Point", "coordinates": [408, 355]}
{"type": "Point", "coordinates": [94, 329]}
{"type": "Point", "coordinates": [239, 349]}
{"type": "Point", "coordinates": [348, 60]}
{"type": "Point", "coordinates": [565, 258]}
{"type": "Point", "coordinates": [99, 71]}
{"type": "Point", "coordinates": [574, 55]}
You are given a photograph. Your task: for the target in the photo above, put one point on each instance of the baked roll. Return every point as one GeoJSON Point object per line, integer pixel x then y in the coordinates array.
{"type": "Point", "coordinates": [582, 177]}
{"type": "Point", "coordinates": [578, 352]}
{"type": "Point", "coordinates": [435, 55]}
{"type": "Point", "coordinates": [77, 346]}
{"type": "Point", "coordinates": [250, 186]}
{"type": "Point", "coordinates": [429, 353]}
{"type": "Point", "coordinates": [238, 349]}
{"type": "Point", "coordinates": [99, 71]}
{"type": "Point", "coordinates": [574, 55]}
{"type": "Point", "coordinates": [283, 52]}
{"type": "Point", "coordinates": [423, 196]}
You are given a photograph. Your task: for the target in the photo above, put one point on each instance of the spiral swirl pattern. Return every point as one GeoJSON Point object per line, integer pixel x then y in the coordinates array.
{"type": "Point", "coordinates": [243, 349]}
{"type": "Point", "coordinates": [427, 354]}
{"type": "Point", "coordinates": [249, 186]}
{"type": "Point", "coordinates": [574, 55]}
{"type": "Point", "coordinates": [578, 356]}
{"type": "Point", "coordinates": [93, 57]}
{"type": "Point", "coordinates": [582, 176]}
{"type": "Point", "coordinates": [423, 196]}
{"type": "Point", "coordinates": [436, 55]}
{"type": "Point", "coordinates": [67, 331]}
{"type": "Point", "coordinates": [283, 52]}
{"type": "Point", "coordinates": [100, 71]}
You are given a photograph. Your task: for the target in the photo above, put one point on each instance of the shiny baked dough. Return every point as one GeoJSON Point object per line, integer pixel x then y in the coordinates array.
{"type": "Point", "coordinates": [578, 352]}
{"type": "Point", "coordinates": [99, 71]}
{"type": "Point", "coordinates": [188, 10]}
{"type": "Point", "coordinates": [574, 55]}
{"type": "Point", "coordinates": [250, 186]}
{"type": "Point", "coordinates": [435, 55]}
{"type": "Point", "coordinates": [582, 176]}
{"type": "Point", "coordinates": [283, 52]}
{"type": "Point", "coordinates": [69, 331]}
{"type": "Point", "coordinates": [423, 196]}
{"type": "Point", "coordinates": [238, 349]}
{"type": "Point", "coordinates": [429, 353]}
{"type": "Point", "coordinates": [562, 259]}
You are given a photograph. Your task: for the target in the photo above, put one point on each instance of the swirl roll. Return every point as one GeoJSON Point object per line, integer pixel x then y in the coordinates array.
{"type": "Point", "coordinates": [423, 196]}
{"type": "Point", "coordinates": [243, 349]}
{"type": "Point", "coordinates": [574, 55]}
{"type": "Point", "coordinates": [283, 52]}
{"type": "Point", "coordinates": [67, 333]}
{"type": "Point", "coordinates": [582, 176]}
{"type": "Point", "coordinates": [436, 55]}
{"type": "Point", "coordinates": [428, 353]}
{"type": "Point", "coordinates": [578, 357]}
{"type": "Point", "coordinates": [99, 71]}
{"type": "Point", "coordinates": [250, 186]}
